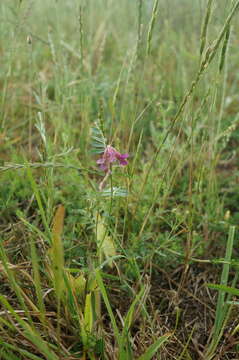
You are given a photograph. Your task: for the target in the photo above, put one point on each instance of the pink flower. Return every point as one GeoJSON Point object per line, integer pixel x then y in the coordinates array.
{"type": "Point", "coordinates": [109, 156]}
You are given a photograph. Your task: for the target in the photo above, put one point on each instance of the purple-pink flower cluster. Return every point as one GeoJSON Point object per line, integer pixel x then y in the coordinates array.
{"type": "Point", "coordinates": [111, 155]}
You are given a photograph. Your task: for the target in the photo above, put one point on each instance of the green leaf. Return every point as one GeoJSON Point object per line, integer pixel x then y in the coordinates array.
{"type": "Point", "coordinates": [129, 317]}
{"type": "Point", "coordinates": [30, 333]}
{"type": "Point", "coordinates": [88, 314]}
{"type": "Point", "coordinates": [108, 307]}
{"type": "Point", "coordinates": [154, 347]}
{"type": "Point", "coordinates": [99, 142]}
{"type": "Point", "coordinates": [114, 192]}
{"type": "Point", "coordinates": [25, 353]}
{"type": "Point", "coordinates": [105, 242]}
{"type": "Point", "coordinates": [224, 288]}
{"type": "Point", "coordinates": [56, 252]}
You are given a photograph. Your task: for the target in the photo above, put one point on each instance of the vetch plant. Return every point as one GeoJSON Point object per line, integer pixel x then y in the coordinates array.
{"type": "Point", "coordinates": [111, 155]}
{"type": "Point", "coordinates": [96, 250]}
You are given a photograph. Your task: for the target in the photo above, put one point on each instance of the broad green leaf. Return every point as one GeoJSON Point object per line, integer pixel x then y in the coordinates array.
{"type": "Point", "coordinates": [104, 242]}
{"type": "Point", "coordinates": [88, 314]}
{"type": "Point", "coordinates": [79, 284]}
{"type": "Point", "coordinates": [108, 249]}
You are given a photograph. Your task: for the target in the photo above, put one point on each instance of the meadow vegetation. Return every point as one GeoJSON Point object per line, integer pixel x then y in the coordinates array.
{"type": "Point", "coordinates": [127, 261]}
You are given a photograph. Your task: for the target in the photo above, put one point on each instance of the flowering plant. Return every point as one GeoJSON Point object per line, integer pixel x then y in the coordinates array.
{"type": "Point", "coordinates": [109, 156]}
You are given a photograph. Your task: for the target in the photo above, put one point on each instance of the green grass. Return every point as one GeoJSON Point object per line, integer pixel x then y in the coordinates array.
{"type": "Point", "coordinates": [116, 265]}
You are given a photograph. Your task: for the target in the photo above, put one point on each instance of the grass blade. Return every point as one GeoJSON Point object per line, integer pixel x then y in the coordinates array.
{"type": "Point", "coordinates": [37, 282]}
{"type": "Point", "coordinates": [151, 351]}
{"type": "Point", "coordinates": [57, 251]}
{"type": "Point", "coordinates": [224, 289]}
{"type": "Point", "coordinates": [222, 306]}
{"type": "Point", "coordinates": [151, 25]}
{"type": "Point", "coordinates": [205, 26]}
{"type": "Point", "coordinates": [107, 304]}
{"type": "Point", "coordinates": [29, 333]}
{"type": "Point", "coordinates": [25, 353]}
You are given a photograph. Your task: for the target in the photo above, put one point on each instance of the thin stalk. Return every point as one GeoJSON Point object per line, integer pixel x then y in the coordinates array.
{"type": "Point", "coordinates": [222, 307]}
{"type": "Point", "coordinates": [205, 26]}
{"type": "Point", "coordinates": [207, 59]}
{"type": "Point", "coordinates": [151, 25]}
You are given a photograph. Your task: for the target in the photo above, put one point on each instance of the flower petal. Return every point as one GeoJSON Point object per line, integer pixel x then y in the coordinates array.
{"type": "Point", "coordinates": [123, 162]}
{"type": "Point", "coordinates": [109, 156]}
{"type": "Point", "coordinates": [124, 156]}
{"type": "Point", "coordinates": [100, 161]}
{"type": "Point", "coordinates": [104, 167]}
